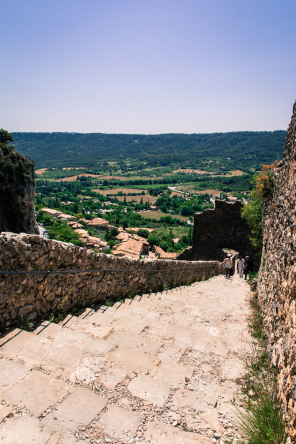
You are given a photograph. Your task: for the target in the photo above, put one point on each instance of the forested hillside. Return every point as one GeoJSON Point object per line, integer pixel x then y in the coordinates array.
{"type": "Point", "coordinates": [242, 150]}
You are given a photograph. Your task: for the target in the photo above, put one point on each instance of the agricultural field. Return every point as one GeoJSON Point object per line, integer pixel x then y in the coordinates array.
{"type": "Point", "coordinates": [152, 214]}
{"type": "Point", "coordinates": [146, 198]}
{"type": "Point", "coordinates": [123, 194]}
{"type": "Point", "coordinates": [120, 191]}
{"type": "Point", "coordinates": [119, 177]}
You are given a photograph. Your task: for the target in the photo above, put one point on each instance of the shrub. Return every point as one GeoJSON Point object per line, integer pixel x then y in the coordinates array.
{"type": "Point", "coordinates": [262, 189]}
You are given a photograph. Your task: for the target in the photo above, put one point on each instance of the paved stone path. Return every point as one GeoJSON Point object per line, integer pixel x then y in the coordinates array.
{"type": "Point", "coordinates": [158, 369]}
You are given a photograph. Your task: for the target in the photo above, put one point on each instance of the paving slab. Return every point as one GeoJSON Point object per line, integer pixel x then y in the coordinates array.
{"type": "Point", "coordinates": [217, 346]}
{"type": "Point", "coordinates": [134, 360]}
{"type": "Point", "coordinates": [36, 349]}
{"type": "Point", "coordinates": [123, 338]}
{"type": "Point", "coordinates": [228, 410]}
{"type": "Point", "coordinates": [161, 433]}
{"type": "Point", "coordinates": [101, 317]}
{"type": "Point", "coordinates": [190, 401]}
{"type": "Point", "coordinates": [98, 331]}
{"type": "Point", "coordinates": [170, 353]}
{"type": "Point", "coordinates": [67, 337]}
{"type": "Point", "coordinates": [173, 374]}
{"type": "Point", "coordinates": [133, 324]}
{"type": "Point", "coordinates": [149, 389]}
{"type": "Point", "coordinates": [137, 341]}
{"type": "Point", "coordinates": [4, 337]}
{"type": "Point", "coordinates": [5, 411]}
{"type": "Point", "coordinates": [12, 343]}
{"type": "Point", "coordinates": [189, 337]}
{"type": "Point", "coordinates": [37, 392]}
{"type": "Point", "coordinates": [47, 329]}
{"type": "Point", "coordinates": [227, 391]}
{"type": "Point", "coordinates": [113, 376]}
{"type": "Point", "coordinates": [78, 409]}
{"type": "Point", "coordinates": [211, 417]}
{"type": "Point", "coordinates": [64, 355]}
{"type": "Point", "coordinates": [98, 346]}
{"type": "Point", "coordinates": [11, 372]}
{"type": "Point", "coordinates": [66, 438]}
{"type": "Point", "coordinates": [120, 424]}
{"type": "Point", "coordinates": [234, 369]}
{"type": "Point", "coordinates": [148, 345]}
{"type": "Point", "coordinates": [23, 430]}
{"type": "Point", "coordinates": [206, 385]}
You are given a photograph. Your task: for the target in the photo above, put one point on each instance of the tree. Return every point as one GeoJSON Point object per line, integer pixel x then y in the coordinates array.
{"type": "Point", "coordinates": [5, 139]}
{"type": "Point", "coordinates": [252, 212]}
{"type": "Point", "coordinates": [187, 211]}
{"type": "Point", "coordinates": [5, 136]}
{"type": "Point", "coordinates": [143, 233]}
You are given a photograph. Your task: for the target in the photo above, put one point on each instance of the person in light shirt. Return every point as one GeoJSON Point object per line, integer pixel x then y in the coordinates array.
{"type": "Point", "coordinates": [228, 264]}
{"type": "Point", "coordinates": [240, 266]}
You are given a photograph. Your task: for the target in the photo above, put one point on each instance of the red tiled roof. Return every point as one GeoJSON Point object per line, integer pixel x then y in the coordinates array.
{"type": "Point", "coordinates": [97, 222]}
{"type": "Point", "coordinates": [164, 255]}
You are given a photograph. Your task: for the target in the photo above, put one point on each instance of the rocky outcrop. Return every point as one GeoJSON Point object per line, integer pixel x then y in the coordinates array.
{"type": "Point", "coordinates": [277, 277]}
{"type": "Point", "coordinates": [58, 276]}
{"type": "Point", "coordinates": [221, 228]}
{"type": "Point", "coordinates": [17, 187]}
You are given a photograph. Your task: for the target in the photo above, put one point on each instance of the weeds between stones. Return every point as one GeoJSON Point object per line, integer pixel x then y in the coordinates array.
{"type": "Point", "coordinates": [25, 324]}
{"type": "Point", "coordinates": [261, 421]}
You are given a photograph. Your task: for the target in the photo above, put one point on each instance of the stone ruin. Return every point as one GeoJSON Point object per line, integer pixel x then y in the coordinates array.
{"type": "Point", "coordinates": [221, 228]}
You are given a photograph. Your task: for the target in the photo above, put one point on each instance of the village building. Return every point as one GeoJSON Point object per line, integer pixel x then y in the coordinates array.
{"type": "Point", "coordinates": [51, 212]}
{"type": "Point", "coordinates": [74, 225]}
{"type": "Point", "coordinates": [161, 254]}
{"type": "Point", "coordinates": [66, 217]}
{"type": "Point", "coordinates": [133, 248]}
{"type": "Point", "coordinates": [58, 214]}
{"type": "Point", "coordinates": [131, 229]}
{"type": "Point", "coordinates": [90, 241]}
{"type": "Point", "coordinates": [131, 245]}
{"type": "Point", "coordinates": [98, 222]}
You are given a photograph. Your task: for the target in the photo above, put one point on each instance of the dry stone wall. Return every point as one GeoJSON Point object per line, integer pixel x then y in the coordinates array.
{"type": "Point", "coordinates": [277, 276]}
{"type": "Point", "coordinates": [36, 294]}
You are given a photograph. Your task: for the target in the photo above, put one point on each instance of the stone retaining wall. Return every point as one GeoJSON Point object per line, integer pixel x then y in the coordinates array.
{"type": "Point", "coordinates": [277, 277]}
{"type": "Point", "coordinates": [32, 296]}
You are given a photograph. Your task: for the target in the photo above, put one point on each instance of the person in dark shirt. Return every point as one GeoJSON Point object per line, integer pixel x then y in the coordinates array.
{"type": "Point", "coordinates": [248, 266]}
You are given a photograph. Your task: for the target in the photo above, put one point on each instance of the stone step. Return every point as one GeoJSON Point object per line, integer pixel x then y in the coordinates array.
{"type": "Point", "coordinates": [68, 320]}
{"type": "Point", "coordinates": [48, 329]}
{"type": "Point", "coordinates": [85, 312]}
{"type": "Point", "coordinates": [144, 370]}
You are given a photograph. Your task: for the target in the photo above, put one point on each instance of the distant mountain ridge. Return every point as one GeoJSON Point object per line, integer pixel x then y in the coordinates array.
{"type": "Point", "coordinates": [53, 150]}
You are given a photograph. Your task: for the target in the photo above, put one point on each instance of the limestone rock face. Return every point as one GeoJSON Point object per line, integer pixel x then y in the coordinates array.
{"type": "Point", "coordinates": [17, 187]}
{"type": "Point", "coordinates": [276, 283]}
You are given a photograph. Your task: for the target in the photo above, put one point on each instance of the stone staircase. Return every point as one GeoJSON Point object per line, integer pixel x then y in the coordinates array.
{"type": "Point", "coordinates": [160, 368]}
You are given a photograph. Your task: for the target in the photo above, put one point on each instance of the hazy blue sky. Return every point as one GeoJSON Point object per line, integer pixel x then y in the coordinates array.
{"type": "Point", "coordinates": [147, 66]}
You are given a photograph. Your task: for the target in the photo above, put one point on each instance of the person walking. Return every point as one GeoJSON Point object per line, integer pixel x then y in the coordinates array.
{"type": "Point", "coordinates": [240, 266]}
{"type": "Point", "coordinates": [248, 266]}
{"type": "Point", "coordinates": [228, 264]}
